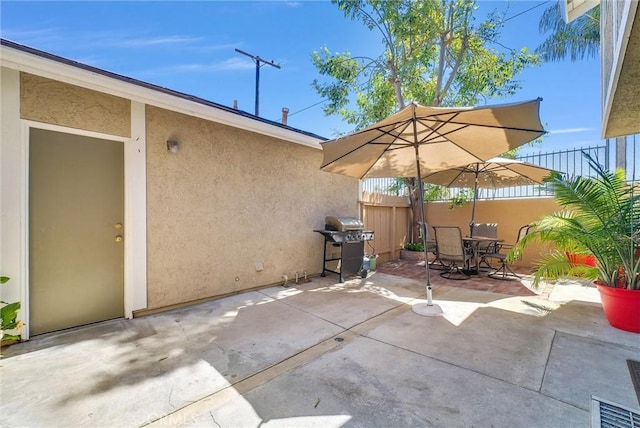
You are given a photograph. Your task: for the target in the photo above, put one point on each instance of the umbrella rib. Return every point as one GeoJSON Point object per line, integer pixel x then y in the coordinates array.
{"type": "Point", "coordinates": [406, 123]}
{"type": "Point", "coordinates": [384, 151]}
{"type": "Point", "coordinates": [524, 175]}
{"type": "Point", "coordinates": [510, 128]}
{"type": "Point", "coordinates": [395, 126]}
{"type": "Point", "coordinates": [396, 136]}
{"type": "Point", "coordinates": [388, 149]}
{"type": "Point", "coordinates": [491, 173]}
{"type": "Point", "coordinates": [364, 144]}
{"type": "Point", "coordinates": [454, 115]}
{"type": "Point", "coordinates": [451, 120]}
{"type": "Point", "coordinates": [434, 130]}
{"type": "Point", "coordinates": [460, 171]}
{"type": "Point", "coordinates": [444, 135]}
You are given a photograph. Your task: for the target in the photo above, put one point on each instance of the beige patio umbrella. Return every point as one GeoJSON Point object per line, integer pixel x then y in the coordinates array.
{"type": "Point", "coordinates": [491, 174]}
{"type": "Point", "coordinates": [440, 137]}
{"type": "Point", "coordinates": [421, 139]}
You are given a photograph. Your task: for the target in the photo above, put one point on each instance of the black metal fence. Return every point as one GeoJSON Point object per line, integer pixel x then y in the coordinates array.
{"type": "Point", "coordinates": [571, 162]}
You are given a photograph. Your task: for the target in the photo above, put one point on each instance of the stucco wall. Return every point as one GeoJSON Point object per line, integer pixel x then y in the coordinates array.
{"type": "Point", "coordinates": [620, 48]}
{"type": "Point", "coordinates": [510, 214]}
{"type": "Point", "coordinates": [72, 106]}
{"type": "Point", "coordinates": [228, 200]}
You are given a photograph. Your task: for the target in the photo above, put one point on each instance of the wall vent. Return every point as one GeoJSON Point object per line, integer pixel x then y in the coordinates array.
{"type": "Point", "coordinates": [605, 414]}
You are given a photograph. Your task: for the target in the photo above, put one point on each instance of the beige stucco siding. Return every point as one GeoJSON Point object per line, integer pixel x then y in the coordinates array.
{"type": "Point", "coordinates": [228, 200]}
{"type": "Point", "coordinates": [58, 103]}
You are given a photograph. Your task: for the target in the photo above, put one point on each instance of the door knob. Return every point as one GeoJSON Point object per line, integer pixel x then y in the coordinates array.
{"type": "Point", "coordinates": [118, 238]}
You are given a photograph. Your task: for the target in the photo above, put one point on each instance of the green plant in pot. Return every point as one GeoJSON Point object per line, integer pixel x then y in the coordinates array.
{"type": "Point", "coordinates": [414, 246]}
{"type": "Point", "coordinates": [600, 216]}
{"type": "Point", "coordinates": [9, 318]}
{"type": "Point", "coordinates": [413, 251]}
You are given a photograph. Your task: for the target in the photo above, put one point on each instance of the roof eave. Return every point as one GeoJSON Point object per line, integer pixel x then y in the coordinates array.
{"type": "Point", "coordinates": [121, 86]}
{"type": "Point", "coordinates": [575, 8]}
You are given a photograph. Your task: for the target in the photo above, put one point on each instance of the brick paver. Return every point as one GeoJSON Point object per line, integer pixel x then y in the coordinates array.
{"type": "Point", "coordinates": [415, 270]}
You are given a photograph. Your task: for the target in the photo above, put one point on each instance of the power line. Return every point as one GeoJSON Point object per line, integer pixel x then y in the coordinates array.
{"type": "Point", "coordinates": [303, 109]}
{"type": "Point", "coordinates": [307, 108]}
{"type": "Point", "coordinates": [507, 19]}
{"type": "Point", "coordinates": [525, 11]}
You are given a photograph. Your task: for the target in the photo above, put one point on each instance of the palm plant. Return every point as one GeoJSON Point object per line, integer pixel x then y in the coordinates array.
{"type": "Point", "coordinates": [600, 216]}
{"type": "Point", "coordinates": [577, 40]}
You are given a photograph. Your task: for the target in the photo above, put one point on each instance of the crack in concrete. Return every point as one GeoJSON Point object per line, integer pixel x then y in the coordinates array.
{"type": "Point", "coordinates": [214, 419]}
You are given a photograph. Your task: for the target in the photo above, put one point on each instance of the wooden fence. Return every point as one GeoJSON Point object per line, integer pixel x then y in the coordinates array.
{"type": "Point", "coordinates": [388, 216]}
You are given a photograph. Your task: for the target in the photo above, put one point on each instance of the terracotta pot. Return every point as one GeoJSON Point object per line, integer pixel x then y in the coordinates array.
{"type": "Point", "coordinates": [621, 307]}
{"type": "Point", "coordinates": [412, 255]}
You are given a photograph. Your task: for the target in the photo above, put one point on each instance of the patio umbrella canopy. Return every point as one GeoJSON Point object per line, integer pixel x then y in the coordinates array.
{"type": "Point", "coordinates": [440, 137]}
{"type": "Point", "coordinates": [492, 174]}
{"type": "Point", "coordinates": [420, 139]}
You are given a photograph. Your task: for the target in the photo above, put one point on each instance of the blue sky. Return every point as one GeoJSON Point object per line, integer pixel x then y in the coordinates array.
{"type": "Point", "coordinates": [190, 47]}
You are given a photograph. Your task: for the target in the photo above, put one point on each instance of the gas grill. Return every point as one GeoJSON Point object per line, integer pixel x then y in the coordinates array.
{"type": "Point", "coordinates": [344, 239]}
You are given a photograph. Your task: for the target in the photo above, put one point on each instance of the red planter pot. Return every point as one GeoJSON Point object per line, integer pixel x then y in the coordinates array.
{"type": "Point", "coordinates": [621, 307]}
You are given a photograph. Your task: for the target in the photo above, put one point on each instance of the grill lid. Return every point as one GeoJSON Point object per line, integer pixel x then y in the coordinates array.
{"type": "Point", "coordinates": [343, 224]}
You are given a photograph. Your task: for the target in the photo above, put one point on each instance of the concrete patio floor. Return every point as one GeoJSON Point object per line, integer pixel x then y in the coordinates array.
{"type": "Point", "coordinates": [326, 354]}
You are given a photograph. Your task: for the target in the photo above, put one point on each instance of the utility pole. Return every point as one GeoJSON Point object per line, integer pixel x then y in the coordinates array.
{"type": "Point", "coordinates": [258, 60]}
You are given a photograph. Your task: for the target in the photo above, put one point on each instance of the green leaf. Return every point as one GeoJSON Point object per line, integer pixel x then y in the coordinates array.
{"type": "Point", "coordinates": [9, 314]}
{"type": "Point", "coordinates": [432, 52]}
{"type": "Point", "coordinates": [10, 337]}
{"type": "Point", "coordinates": [600, 216]}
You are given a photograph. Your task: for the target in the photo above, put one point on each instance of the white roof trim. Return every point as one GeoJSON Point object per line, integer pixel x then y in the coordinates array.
{"type": "Point", "coordinates": [34, 64]}
{"type": "Point", "coordinates": [575, 8]}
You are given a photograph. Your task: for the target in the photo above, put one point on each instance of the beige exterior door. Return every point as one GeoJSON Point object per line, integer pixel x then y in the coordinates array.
{"type": "Point", "coordinates": [76, 230]}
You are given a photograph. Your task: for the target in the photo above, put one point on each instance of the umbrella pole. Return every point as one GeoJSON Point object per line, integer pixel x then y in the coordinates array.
{"type": "Point", "coordinates": [428, 309]}
{"type": "Point", "coordinates": [473, 206]}
{"type": "Point", "coordinates": [473, 209]}
{"type": "Point", "coordinates": [425, 238]}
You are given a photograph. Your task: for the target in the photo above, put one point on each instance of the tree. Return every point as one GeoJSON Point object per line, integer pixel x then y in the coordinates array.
{"type": "Point", "coordinates": [433, 52]}
{"type": "Point", "coordinates": [577, 40]}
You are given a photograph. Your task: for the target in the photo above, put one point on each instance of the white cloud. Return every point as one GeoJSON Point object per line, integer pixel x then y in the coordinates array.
{"type": "Point", "coordinates": [157, 41]}
{"type": "Point", "coordinates": [215, 47]}
{"type": "Point", "coordinates": [570, 130]}
{"type": "Point", "coordinates": [26, 33]}
{"type": "Point", "coordinates": [231, 64]}
{"type": "Point", "coordinates": [32, 36]}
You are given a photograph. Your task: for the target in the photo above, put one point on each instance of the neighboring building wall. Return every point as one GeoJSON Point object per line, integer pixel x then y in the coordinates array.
{"type": "Point", "coordinates": [607, 43]}
{"type": "Point", "coordinates": [620, 62]}
{"type": "Point", "coordinates": [228, 202]}
{"type": "Point", "coordinates": [72, 106]}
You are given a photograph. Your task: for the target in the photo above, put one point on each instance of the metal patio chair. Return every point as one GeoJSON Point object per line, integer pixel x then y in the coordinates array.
{"type": "Point", "coordinates": [486, 230]}
{"type": "Point", "coordinates": [452, 252]}
{"type": "Point", "coordinates": [432, 247]}
{"type": "Point", "coordinates": [504, 272]}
